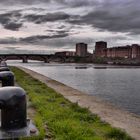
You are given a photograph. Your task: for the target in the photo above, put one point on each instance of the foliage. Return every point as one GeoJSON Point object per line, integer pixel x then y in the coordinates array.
{"type": "Point", "coordinates": [99, 60]}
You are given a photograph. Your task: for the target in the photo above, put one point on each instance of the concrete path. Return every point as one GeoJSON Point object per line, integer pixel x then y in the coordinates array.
{"type": "Point", "coordinates": [109, 113]}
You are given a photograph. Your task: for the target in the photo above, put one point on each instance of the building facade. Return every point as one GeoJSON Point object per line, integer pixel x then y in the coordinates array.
{"type": "Point", "coordinates": [81, 49]}
{"type": "Point", "coordinates": [65, 53]}
{"type": "Point", "coordinates": [128, 51]}
{"type": "Point", "coordinates": [101, 49]}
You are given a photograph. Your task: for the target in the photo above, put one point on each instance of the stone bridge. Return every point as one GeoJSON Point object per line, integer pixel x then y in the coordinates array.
{"type": "Point", "coordinates": [39, 57]}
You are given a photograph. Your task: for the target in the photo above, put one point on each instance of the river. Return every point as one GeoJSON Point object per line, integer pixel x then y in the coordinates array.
{"type": "Point", "coordinates": [116, 84]}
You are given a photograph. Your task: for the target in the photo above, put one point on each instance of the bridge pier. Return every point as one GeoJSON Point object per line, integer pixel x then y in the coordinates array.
{"type": "Point", "coordinates": [46, 58]}
{"type": "Point", "coordinates": [25, 60]}
{"type": "Point", "coordinates": [46, 61]}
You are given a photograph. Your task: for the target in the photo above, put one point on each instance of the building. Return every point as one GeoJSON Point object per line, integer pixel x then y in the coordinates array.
{"type": "Point", "coordinates": [101, 49]}
{"type": "Point", "coordinates": [135, 51]}
{"type": "Point", "coordinates": [81, 49]}
{"type": "Point", "coordinates": [65, 53]}
{"type": "Point", "coordinates": [128, 51]}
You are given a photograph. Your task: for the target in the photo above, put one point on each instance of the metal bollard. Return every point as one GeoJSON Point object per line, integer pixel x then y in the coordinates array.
{"type": "Point", "coordinates": [3, 64]}
{"type": "Point", "coordinates": [4, 69]}
{"type": "Point", "coordinates": [13, 108]}
{"type": "Point", "coordinates": [7, 78]}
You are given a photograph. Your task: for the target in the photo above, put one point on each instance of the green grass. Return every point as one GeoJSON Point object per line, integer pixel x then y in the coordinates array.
{"type": "Point", "coordinates": [65, 120]}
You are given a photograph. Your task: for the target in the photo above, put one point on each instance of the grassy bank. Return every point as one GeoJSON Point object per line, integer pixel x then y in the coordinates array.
{"type": "Point", "coordinates": [64, 120]}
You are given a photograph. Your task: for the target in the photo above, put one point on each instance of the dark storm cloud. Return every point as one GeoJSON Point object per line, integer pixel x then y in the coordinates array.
{"type": "Point", "coordinates": [62, 27]}
{"type": "Point", "coordinates": [33, 39]}
{"type": "Point", "coordinates": [79, 3]}
{"type": "Point", "coordinates": [15, 19]}
{"type": "Point", "coordinates": [25, 2]}
{"type": "Point", "coordinates": [12, 26]}
{"type": "Point", "coordinates": [115, 23]}
{"type": "Point", "coordinates": [10, 20]}
{"type": "Point", "coordinates": [8, 41]}
{"type": "Point", "coordinates": [113, 16]}
{"type": "Point", "coordinates": [74, 3]}
{"type": "Point", "coordinates": [9, 16]}
{"type": "Point", "coordinates": [12, 48]}
{"type": "Point", "coordinates": [49, 17]}
{"type": "Point", "coordinates": [38, 38]}
{"type": "Point", "coordinates": [58, 31]}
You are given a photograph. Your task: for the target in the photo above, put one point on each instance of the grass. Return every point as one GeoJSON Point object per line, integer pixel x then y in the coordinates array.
{"type": "Point", "coordinates": [65, 120]}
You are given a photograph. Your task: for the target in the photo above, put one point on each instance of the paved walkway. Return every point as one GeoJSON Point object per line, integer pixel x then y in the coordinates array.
{"type": "Point", "coordinates": [109, 113]}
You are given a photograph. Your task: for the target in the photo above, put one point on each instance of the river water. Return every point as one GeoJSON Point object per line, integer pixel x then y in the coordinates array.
{"type": "Point", "coordinates": [117, 85]}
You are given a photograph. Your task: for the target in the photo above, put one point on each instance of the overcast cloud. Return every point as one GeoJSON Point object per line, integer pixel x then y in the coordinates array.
{"type": "Point", "coordinates": [63, 23]}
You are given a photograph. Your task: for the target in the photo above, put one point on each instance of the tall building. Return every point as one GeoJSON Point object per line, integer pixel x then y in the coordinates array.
{"type": "Point", "coordinates": [135, 51]}
{"type": "Point", "coordinates": [128, 51]}
{"type": "Point", "coordinates": [100, 49]}
{"type": "Point", "coordinates": [81, 49]}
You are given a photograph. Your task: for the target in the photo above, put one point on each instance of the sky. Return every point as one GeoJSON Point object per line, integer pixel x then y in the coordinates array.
{"type": "Point", "coordinates": [48, 26]}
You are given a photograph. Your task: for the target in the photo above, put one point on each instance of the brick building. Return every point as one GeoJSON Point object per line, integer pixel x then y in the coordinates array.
{"type": "Point", "coordinates": [65, 53]}
{"type": "Point", "coordinates": [101, 49]}
{"type": "Point", "coordinates": [128, 51]}
{"type": "Point", "coordinates": [81, 49]}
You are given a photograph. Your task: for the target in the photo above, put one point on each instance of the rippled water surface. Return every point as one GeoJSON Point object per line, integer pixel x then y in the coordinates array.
{"type": "Point", "coordinates": [118, 85]}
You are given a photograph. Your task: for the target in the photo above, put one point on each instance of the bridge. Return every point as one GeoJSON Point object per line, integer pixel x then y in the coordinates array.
{"type": "Point", "coordinates": [39, 57]}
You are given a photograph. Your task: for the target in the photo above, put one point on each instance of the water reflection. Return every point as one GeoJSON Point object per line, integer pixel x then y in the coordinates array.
{"type": "Point", "coordinates": [81, 67]}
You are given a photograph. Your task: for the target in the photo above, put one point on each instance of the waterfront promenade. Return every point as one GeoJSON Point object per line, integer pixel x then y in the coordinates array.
{"type": "Point", "coordinates": [116, 117]}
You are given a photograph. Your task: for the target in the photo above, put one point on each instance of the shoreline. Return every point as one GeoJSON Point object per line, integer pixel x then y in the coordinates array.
{"type": "Point", "coordinates": [107, 112]}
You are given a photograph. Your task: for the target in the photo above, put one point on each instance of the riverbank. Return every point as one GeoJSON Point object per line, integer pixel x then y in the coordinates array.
{"type": "Point", "coordinates": [107, 112]}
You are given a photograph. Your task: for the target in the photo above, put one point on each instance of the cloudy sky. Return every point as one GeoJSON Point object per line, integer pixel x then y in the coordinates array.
{"type": "Point", "coordinates": [57, 25]}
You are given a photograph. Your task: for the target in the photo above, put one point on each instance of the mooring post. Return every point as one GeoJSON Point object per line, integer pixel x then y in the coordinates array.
{"type": "Point", "coordinates": [13, 107]}
{"type": "Point", "coordinates": [4, 69]}
{"type": "Point", "coordinates": [3, 64]}
{"type": "Point", "coordinates": [7, 78]}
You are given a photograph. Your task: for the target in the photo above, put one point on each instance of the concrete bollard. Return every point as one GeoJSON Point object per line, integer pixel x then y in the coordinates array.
{"type": "Point", "coordinates": [13, 108]}
{"type": "Point", "coordinates": [7, 78]}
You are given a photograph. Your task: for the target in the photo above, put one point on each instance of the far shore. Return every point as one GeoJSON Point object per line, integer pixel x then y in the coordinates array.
{"type": "Point", "coordinates": [107, 112]}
